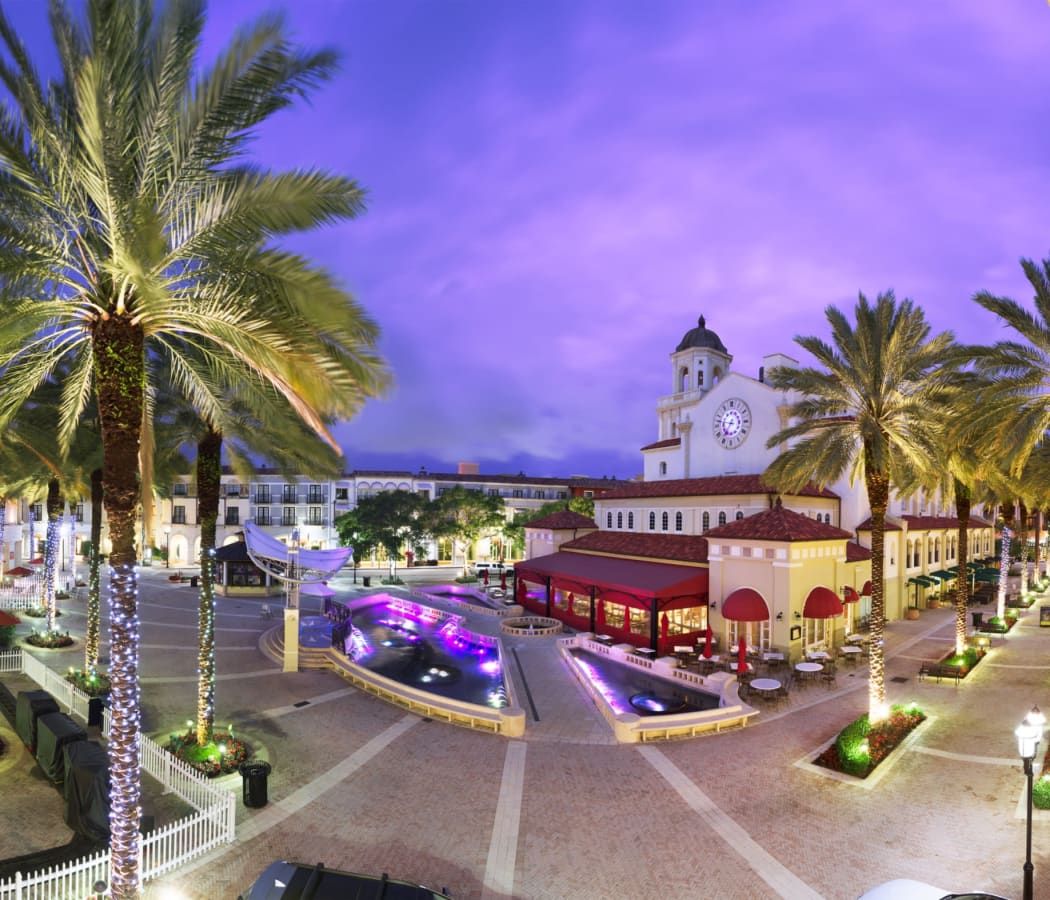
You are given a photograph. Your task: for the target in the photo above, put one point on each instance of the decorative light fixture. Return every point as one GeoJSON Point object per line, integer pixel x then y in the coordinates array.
{"type": "Point", "coordinates": [713, 604]}
{"type": "Point", "coordinates": [1028, 734]}
{"type": "Point", "coordinates": [780, 617]}
{"type": "Point", "coordinates": [797, 615]}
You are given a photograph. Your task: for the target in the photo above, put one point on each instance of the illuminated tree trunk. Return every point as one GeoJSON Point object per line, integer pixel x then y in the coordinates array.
{"type": "Point", "coordinates": [962, 580]}
{"type": "Point", "coordinates": [54, 516]}
{"type": "Point", "coordinates": [1004, 557]}
{"type": "Point", "coordinates": [209, 479]}
{"type": "Point", "coordinates": [878, 486]}
{"type": "Point", "coordinates": [120, 384]}
{"type": "Point", "coordinates": [1022, 534]}
{"type": "Point", "coordinates": [94, 605]}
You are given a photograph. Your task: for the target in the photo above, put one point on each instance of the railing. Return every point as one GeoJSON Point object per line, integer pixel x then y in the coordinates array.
{"type": "Point", "coordinates": [162, 850]}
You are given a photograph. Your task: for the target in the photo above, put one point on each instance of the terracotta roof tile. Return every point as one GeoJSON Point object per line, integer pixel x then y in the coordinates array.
{"type": "Point", "coordinates": [679, 547]}
{"type": "Point", "coordinates": [925, 523]}
{"type": "Point", "coordinates": [669, 442]}
{"type": "Point", "coordinates": [857, 553]}
{"type": "Point", "coordinates": [563, 519]}
{"type": "Point", "coordinates": [778, 524]}
{"type": "Point", "coordinates": [707, 487]}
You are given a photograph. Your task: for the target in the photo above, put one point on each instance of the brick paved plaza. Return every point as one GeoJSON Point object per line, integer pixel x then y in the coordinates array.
{"type": "Point", "coordinates": [567, 814]}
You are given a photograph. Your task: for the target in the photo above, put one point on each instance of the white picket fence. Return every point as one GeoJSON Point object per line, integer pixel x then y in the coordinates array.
{"type": "Point", "coordinates": [162, 850]}
{"type": "Point", "coordinates": [21, 596]}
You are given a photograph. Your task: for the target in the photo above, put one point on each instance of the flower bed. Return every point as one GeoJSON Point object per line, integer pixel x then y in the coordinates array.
{"type": "Point", "coordinates": [995, 625]}
{"type": "Point", "coordinates": [965, 661]}
{"type": "Point", "coordinates": [50, 640]}
{"type": "Point", "coordinates": [859, 748]}
{"type": "Point", "coordinates": [38, 612]}
{"type": "Point", "coordinates": [220, 757]}
{"type": "Point", "coordinates": [1041, 786]}
{"type": "Point", "coordinates": [91, 682]}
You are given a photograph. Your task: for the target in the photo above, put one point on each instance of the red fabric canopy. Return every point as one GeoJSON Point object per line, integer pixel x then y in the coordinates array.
{"type": "Point", "coordinates": [7, 619]}
{"type": "Point", "coordinates": [851, 595]}
{"type": "Point", "coordinates": [745, 605]}
{"type": "Point", "coordinates": [866, 590]}
{"type": "Point", "coordinates": [638, 581]}
{"type": "Point", "coordinates": [822, 603]}
{"type": "Point", "coordinates": [19, 572]}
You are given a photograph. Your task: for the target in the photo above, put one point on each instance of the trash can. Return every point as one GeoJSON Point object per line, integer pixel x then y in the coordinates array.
{"type": "Point", "coordinates": [254, 775]}
{"type": "Point", "coordinates": [193, 580]}
{"type": "Point", "coordinates": [977, 618]}
{"type": "Point", "coordinates": [367, 581]}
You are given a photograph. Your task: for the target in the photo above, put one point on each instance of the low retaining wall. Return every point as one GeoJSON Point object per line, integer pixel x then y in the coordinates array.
{"type": "Point", "coordinates": [631, 728]}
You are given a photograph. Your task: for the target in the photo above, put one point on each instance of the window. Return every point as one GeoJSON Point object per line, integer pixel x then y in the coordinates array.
{"type": "Point", "coordinates": [262, 516]}
{"type": "Point", "coordinates": [619, 520]}
{"type": "Point", "coordinates": [518, 492]}
{"type": "Point", "coordinates": [721, 518]}
{"type": "Point", "coordinates": [664, 521]}
{"type": "Point", "coordinates": [178, 515]}
{"type": "Point", "coordinates": [564, 495]}
{"type": "Point", "coordinates": [827, 518]}
{"type": "Point", "coordinates": [233, 489]}
{"type": "Point", "coordinates": [288, 516]}
{"type": "Point", "coordinates": [493, 492]}
{"type": "Point", "coordinates": [315, 515]}
{"type": "Point", "coordinates": [652, 521]}
{"type": "Point", "coordinates": [233, 516]}
{"type": "Point", "coordinates": [705, 522]}
{"type": "Point", "coordinates": [288, 494]}
{"type": "Point", "coordinates": [179, 489]}
{"type": "Point", "coordinates": [677, 521]}
{"type": "Point", "coordinates": [588, 494]}
{"type": "Point", "coordinates": [663, 468]}
{"type": "Point", "coordinates": [929, 552]}
{"type": "Point", "coordinates": [78, 514]}
{"type": "Point", "coordinates": [315, 494]}
{"type": "Point", "coordinates": [739, 515]}
{"type": "Point", "coordinates": [630, 521]}
{"type": "Point", "coordinates": [541, 495]}
{"type": "Point", "coordinates": [608, 520]}
{"type": "Point", "coordinates": [262, 493]}
{"type": "Point", "coordinates": [937, 550]}
{"type": "Point", "coordinates": [342, 495]}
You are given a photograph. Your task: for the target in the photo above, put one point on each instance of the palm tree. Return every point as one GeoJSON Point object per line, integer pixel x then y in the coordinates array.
{"type": "Point", "coordinates": [866, 414]}
{"type": "Point", "coordinates": [130, 226]}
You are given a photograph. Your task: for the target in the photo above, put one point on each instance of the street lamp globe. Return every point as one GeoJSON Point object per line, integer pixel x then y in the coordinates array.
{"type": "Point", "coordinates": [1028, 734]}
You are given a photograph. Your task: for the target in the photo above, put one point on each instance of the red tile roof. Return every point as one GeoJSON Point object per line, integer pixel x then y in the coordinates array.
{"type": "Point", "coordinates": [564, 519]}
{"type": "Point", "coordinates": [925, 523]}
{"type": "Point", "coordinates": [778, 524]}
{"type": "Point", "coordinates": [857, 553]}
{"type": "Point", "coordinates": [669, 442]}
{"type": "Point", "coordinates": [679, 547]}
{"type": "Point", "coordinates": [707, 487]}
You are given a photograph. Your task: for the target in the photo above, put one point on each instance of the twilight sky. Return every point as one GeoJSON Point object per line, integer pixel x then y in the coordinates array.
{"type": "Point", "coordinates": [557, 190]}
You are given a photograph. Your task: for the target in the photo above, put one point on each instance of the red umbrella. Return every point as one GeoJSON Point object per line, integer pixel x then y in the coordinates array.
{"type": "Point", "coordinates": [569, 602]}
{"type": "Point", "coordinates": [39, 561]}
{"type": "Point", "coordinates": [665, 626]}
{"type": "Point", "coordinates": [19, 572]}
{"type": "Point", "coordinates": [601, 612]}
{"type": "Point", "coordinates": [485, 578]}
{"type": "Point", "coordinates": [521, 591]}
{"type": "Point", "coordinates": [626, 618]}
{"type": "Point", "coordinates": [707, 642]}
{"type": "Point", "coordinates": [503, 580]}
{"type": "Point", "coordinates": [741, 657]}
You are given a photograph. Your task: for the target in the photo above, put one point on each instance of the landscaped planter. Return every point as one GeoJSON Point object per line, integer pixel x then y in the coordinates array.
{"type": "Point", "coordinates": [859, 748]}
{"type": "Point", "coordinates": [993, 626]}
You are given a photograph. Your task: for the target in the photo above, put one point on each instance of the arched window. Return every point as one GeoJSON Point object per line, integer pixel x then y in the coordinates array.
{"type": "Point", "coordinates": [907, 555]}
{"type": "Point", "coordinates": [739, 515]}
{"type": "Point", "coordinates": [929, 552]}
{"type": "Point", "coordinates": [608, 520]}
{"type": "Point", "coordinates": [827, 518]}
{"type": "Point", "coordinates": [619, 520]}
{"type": "Point", "coordinates": [630, 521]}
{"type": "Point", "coordinates": [677, 521]}
{"type": "Point", "coordinates": [699, 378]}
{"type": "Point", "coordinates": [721, 518]}
{"type": "Point", "coordinates": [683, 380]}
{"type": "Point", "coordinates": [937, 550]}
{"type": "Point", "coordinates": [665, 521]}
{"type": "Point", "coordinates": [663, 468]}
{"type": "Point", "coordinates": [705, 521]}
{"type": "Point", "coordinates": [652, 521]}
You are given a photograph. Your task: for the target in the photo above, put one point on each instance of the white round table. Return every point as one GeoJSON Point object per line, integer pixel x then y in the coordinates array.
{"type": "Point", "coordinates": [765, 684]}
{"type": "Point", "coordinates": [808, 667]}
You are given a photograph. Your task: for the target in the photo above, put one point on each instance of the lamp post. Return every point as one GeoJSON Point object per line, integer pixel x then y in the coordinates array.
{"type": "Point", "coordinates": [167, 544]}
{"type": "Point", "coordinates": [1028, 734]}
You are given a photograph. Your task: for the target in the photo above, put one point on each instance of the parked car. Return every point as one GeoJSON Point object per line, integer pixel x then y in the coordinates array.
{"type": "Point", "coordinates": [909, 889]}
{"type": "Point", "coordinates": [301, 881]}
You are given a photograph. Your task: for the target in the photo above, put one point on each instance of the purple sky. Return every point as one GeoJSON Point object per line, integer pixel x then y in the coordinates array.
{"type": "Point", "coordinates": [557, 190]}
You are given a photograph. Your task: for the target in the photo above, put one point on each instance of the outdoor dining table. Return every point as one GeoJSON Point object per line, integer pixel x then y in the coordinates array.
{"type": "Point", "coordinates": [808, 670]}
{"type": "Point", "coordinates": [645, 651]}
{"type": "Point", "coordinates": [765, 684]}
{"type": "Point", "coordinates": [856, 638]}
{"type": "Point", "coordinates": [818, 654]}
{"type": "Point", "coordinates": [851, 650]}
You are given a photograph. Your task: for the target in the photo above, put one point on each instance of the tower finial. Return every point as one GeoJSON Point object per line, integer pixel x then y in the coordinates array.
{"type": "Point", "coordinates": [702, 323]}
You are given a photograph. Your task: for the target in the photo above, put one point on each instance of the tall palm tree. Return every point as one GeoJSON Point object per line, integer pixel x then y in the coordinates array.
{"type": "Point", "coordinates": [865, 413]}
{"type": "Point", "coordinates": [131, 225]}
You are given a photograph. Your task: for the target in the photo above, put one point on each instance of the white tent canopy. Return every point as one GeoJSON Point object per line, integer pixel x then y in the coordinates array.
{"type": "Point", "coordinates": [273, 556]}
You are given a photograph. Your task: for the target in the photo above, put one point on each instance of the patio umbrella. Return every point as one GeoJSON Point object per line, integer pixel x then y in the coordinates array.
{"type": "Point", "coordinates": [626, 618]}
{"type": "Point", "coordinates": [521, 591]}
{"type": "Point", "coordinates": [485, 578]}
{"type": "Point", "coordinates": [707, 642]}
{"type": "Point", "coordinates": [39, 561]}
{"type": "Point", "coordinates": [741, 656]}
{"type": "Point", "coordinates": [665, 626]}
{"type": "Point", "coordinates": [19, 572]}
{"type": "Point", "coordinates": [568, 603]}
{"type": "Point", "coordinates": [601, 612]}
{"type": "Point", "coordinates": [503, 580]}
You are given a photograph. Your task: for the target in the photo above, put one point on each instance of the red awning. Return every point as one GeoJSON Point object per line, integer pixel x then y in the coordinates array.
{"type": "Point", "coordinates": [19, 572]}
{"type": "Point", "coordinates": [866, 590]}
{"type": "Point", "coordinates": [822, 603]}
{"type": "Point", "coordinates": [608, 574]}
{"type": "Point", "coordinates": [745, 605]}
{"type": "Point", "coordinates": [851, 595]}
{"type": "Point", "coordinates": [7, 619]}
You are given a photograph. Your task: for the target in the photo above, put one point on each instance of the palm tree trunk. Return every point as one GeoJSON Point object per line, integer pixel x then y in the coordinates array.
{"type": "Point", "coordinates": [3, 524]}
{"type": "Point", "coordinates": [54, 515]}
{"type": "Point", "coordinates": [962, 580]}
{"type": "Point", "coordinates": [1004, 557]}
{"type": "Point", "coordinates": [209, 478]}
{"type": "Point", "coordinates": [878, 486]}
{"type": "Point", "coordinates": [93, 605]}
{"type": "Point", "coordinates": [1037, 524]}
{"type": "Point", "coordinates": [1022, 533]}
{"type": "Point", "coordinates": [120, 378]}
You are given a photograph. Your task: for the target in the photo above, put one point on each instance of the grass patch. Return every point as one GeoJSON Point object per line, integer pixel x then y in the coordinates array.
{"type": "Point", "coordinates": [859, 747]}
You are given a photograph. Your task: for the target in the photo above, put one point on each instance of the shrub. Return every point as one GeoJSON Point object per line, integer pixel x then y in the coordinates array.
{"type": "Point", "coordinates": [859, 747]}
{"type": "Point", "coordinates": [7, 635]}
{"type": "Point", "coordinates": [394, 580]}
{"type": "Point", "coordinates": [208, 760]}
{"type": "Point", "coordinates": [1041, 793]}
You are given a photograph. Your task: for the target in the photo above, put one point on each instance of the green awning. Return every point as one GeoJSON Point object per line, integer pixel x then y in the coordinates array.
{"type": "Point", "coordinates": [987, 577]}
{"type": "Point", "coordinates": [943, 575]}
{"type": "Point", "coordinates": [923, 580]}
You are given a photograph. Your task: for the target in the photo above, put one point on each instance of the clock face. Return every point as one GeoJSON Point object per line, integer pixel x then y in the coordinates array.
{"type": "Point", "coordinates": [732, 423]}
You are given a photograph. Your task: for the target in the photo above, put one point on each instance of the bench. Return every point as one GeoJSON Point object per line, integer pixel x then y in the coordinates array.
{"type": "Point", "coordinates": [939, 671]}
